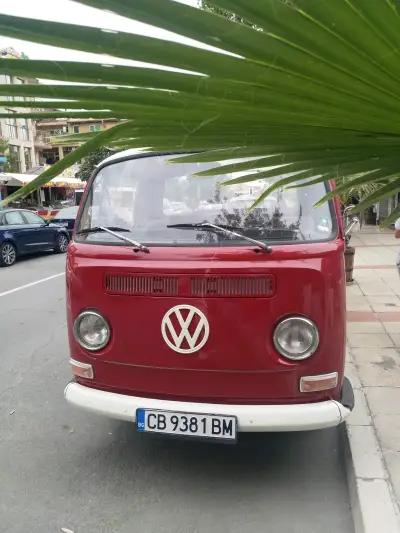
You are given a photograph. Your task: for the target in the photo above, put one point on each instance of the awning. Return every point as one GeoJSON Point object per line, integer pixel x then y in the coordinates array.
{"type": "Point", "coordinates": [12, 179]}
{"type": "Point", "coordinates": [69, 183]}
{"type": "Point", "coordinates": [18, 180]}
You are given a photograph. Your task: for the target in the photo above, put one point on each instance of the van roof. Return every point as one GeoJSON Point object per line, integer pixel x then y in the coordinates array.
{"type": "Point", "coordinates": [135, 152]}
{"type": "Point", "coordinates": [123, 153]}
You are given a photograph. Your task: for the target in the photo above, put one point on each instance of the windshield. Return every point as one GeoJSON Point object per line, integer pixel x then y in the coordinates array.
{"type": "Point", "coordinates": [68, 212]}
{"type": "Point", "coordinates": [149, 195]}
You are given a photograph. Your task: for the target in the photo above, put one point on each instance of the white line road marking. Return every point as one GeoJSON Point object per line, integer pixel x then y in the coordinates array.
{"type": "Point", "coordinates": [31, 284]}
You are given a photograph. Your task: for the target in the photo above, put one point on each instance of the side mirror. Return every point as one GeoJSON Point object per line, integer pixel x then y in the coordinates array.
{"type": "Point", "coordinates": [354, 222]}
{"type": "Point", "coordinates": [347, 209]}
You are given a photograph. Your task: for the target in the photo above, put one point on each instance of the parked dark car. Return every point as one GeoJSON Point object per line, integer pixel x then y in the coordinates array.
{"type": "Point", "coordinates": [66, 218]}
{"type": "Point", "coordinates": [23, 232]}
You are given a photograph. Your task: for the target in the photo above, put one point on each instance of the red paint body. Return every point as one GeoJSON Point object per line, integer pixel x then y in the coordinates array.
{"type": "Point", "coordinates": [239, 363]}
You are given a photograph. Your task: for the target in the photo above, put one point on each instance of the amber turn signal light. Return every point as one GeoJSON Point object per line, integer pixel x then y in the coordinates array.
{"type": "Point", "coordinates": [81, 370]}
{"type": "Point", "coordinates": [319, 382]}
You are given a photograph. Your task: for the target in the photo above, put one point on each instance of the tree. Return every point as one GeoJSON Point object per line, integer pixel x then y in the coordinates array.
{"type": "Point", "coordinates": [307, 88]}
{"type": "Point", "coordinates": [89, 163]}
{"type": "Point", "coordinates": [11, 162]}
{"type": "Point", "coordinates": [3, 153]}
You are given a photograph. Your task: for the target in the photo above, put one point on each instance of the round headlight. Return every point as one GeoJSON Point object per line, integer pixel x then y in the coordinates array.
{"type": "Point", "coordinates": [296, 338]}
{"type": "Point", "coordinates": [91, 330]}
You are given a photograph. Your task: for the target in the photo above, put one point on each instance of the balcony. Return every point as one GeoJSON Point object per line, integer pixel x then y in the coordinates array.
{"type": "Point", "coordinates": [42, 141]}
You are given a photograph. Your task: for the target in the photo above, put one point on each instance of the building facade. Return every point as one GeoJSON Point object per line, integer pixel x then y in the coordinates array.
{"type": "Point", "coordinates": [31, 144]}
{"type": "Point", "coordinates": [19, 133]}
{"type": "Point", "coordinates": [48, 150]}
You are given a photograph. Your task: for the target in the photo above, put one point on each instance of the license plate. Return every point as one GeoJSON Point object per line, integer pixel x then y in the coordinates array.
{"type": "Point", "coordinates": [187, 424]}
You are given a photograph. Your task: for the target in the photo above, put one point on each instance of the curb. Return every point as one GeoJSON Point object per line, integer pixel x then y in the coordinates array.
{"type": "Point", "coordinates": [372, 499]}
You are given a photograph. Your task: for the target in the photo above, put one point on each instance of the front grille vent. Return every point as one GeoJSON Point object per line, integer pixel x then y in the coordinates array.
{"type": "Point", "coordinates": [141, 285]}
{"type": "Point", "coordinates": [233, 286]}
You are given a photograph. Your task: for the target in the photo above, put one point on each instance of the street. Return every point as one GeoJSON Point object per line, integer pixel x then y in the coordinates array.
{"type": "Point", "coordinates": [65, 468]}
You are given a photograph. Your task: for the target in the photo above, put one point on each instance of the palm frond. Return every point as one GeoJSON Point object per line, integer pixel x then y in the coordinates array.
{"type": "Point", "coordinates": [75, 156]}
{"type": "Point", "coordinates": [305, 92]}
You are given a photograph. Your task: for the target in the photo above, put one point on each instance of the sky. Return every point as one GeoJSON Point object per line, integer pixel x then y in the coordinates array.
{"type": "Point", "coordinates": [72, 12]}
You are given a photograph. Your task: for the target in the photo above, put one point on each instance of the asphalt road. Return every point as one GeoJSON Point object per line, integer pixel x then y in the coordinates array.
{"type": "Point", "coordinates": [63, 468]}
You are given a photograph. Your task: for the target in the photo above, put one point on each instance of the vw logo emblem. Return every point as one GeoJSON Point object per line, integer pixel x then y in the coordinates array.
{"type": "Point", "coordinates": [185, 329]}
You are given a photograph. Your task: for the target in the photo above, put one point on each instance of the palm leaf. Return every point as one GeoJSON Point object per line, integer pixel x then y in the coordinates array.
{"type": "Point", "coordinates": [82, 151]}
{"type": "Point", "coordinates": [307, 90]}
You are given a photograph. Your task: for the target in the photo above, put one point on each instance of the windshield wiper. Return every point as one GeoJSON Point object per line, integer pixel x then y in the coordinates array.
{"type": "Point", "coordinates": [112, 231]}
{"type": "Point", "coordinates": [223, 229]}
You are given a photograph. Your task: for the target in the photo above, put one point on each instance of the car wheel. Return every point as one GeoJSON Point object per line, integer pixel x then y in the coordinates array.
{"type": "Point", "coordinates": [61, 243]}
{"type": "Point", "coordinates": [8, 254]}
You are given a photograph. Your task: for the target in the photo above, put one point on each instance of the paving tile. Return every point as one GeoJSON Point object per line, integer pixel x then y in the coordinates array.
{"type": "Point", "coordinates": [388, 316]}
{"type": "Point", "coordinates": [353, 290]}
{"type": "Point", "coordinates": [384, 299]}
{"type": "Point", "coordinates": [360, 414]}
{"type": "Point", "coordinates": [376, 507]}
{"type": "Point", "coordinates": [388, 431]}
{"type": "Point", "coordinates": [396, 339]}
{"type": "Point", "coordinates": [370, 340]}
{"type": "Point", "coordinates": [391, 275]}
{"type": "Point", "coordinates": [377, 240]}
{"type": "Point", "coordinates": [359, 262]}
{"type": "Point", "coordinates": [394, 285]}
{"type": "Point", "coordinates": [392, 327]}
{"type": "Point", "coordinates": [351, 373]}
{"type": "Point", "coordinates": [368, 273]}
{"type": "Point", "coordinates": [377, 255]}
{"type": "Point", "coordinates": [369, 240]}
{"type": "Point", "coordinates": [373, 332]}
{"type": "Point", "coordinates": [384, 373]}
{"type": "Point", "coordinates": [361, 316]}
{"type": "Point", "coordinates": [357, 303]}
{"type": "Point", "coordinates": [365, 327]}
{"type": "Point", "coordinates": [383, 400]}
{"type": "Point", "coordinates": [392, 460]}
{"type": "Point", "coordinates": [374, 355]}
{"type": "Point", "coordinates": [349, 355]}
{"type": "Point", "coordinates": [374, 287]}
{"type": "Point", "coordinates": [384, 303]}
{"type": "Point", "coordinates": [365, 452]}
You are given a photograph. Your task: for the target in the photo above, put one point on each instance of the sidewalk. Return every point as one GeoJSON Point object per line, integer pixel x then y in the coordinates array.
{"type": "Point", "coordinates": [373, 366]}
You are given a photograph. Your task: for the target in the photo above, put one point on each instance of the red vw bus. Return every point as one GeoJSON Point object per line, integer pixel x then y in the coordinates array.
{"type": "Point", "coordinates": [190, 315]}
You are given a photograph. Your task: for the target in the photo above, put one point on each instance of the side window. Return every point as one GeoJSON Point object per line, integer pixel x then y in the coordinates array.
{"type": "Point", "coordinates": [31, 218]}
{"type": "Point", "coordinates": [14, 218]}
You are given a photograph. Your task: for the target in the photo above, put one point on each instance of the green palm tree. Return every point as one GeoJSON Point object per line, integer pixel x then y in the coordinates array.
{"type": "Point", "coordinates": [308, 89]}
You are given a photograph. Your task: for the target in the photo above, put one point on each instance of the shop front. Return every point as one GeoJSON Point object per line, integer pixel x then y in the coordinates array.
{"type": "Point", "coordinates": [46, 200]}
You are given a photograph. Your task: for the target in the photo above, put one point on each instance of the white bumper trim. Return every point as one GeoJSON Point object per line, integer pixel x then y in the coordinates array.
{"type": "Point", "coordinates": [293, 417]}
